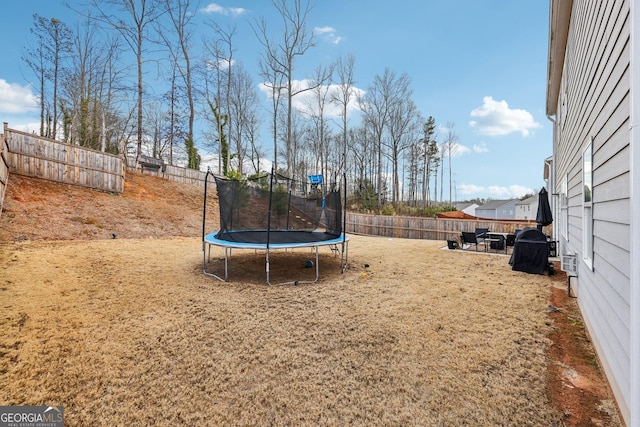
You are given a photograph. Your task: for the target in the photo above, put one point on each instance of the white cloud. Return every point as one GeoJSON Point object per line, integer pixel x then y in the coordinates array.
{"type": "Point", "coordinates": [482, 148]}
{"type": "Point", "coordinates": [222, 64]}
{"type": "Point", "coordinates": [497, 191]}
{"type": "Point", "coordinates": [494, 191]}
{"type": "Point", "coordinates": [495, 118]}
{"type": "Point", "coordinates": [459, 150]}
{"type": "Point", "coordinates": [512, 191]}
{"type": "Point", "coordinates": [16, 99]}
{"type": "Point", "coordinates": [221, 10]}
{"type": "Point", "coordinates": [237, 11]}
{"type": "Point", "coordinates": [520, 190]}
{"type": "Point", "coordinates": [31, 127]}
{"type": "Point", "coordinates": [328, 33]}
{"type": "Point", "coordinates": [305, 103]}
{"type": "Point", "coordinates": [214, 8]}
{"type": "Point", "coordinates": [470, 189]}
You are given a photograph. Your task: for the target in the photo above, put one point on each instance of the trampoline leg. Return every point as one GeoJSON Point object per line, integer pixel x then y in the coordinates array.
{"type": "Point", "coordinates": [226, 261]}
{"type": "Point", "coordinates": [345, 256]}
{"type": "Point", "coordinates": [317, 266]}
{"type": "Point", "coordinates": [267, 266]}
{"type": "Point", "coordinates": [335, 250]}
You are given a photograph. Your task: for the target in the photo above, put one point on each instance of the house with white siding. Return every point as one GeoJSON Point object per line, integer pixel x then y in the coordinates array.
{"type": "Point", "coordinates": [593, 102]}
{"type": "Point", "coordinates": [527, 208]}
{"type": "Point", "coordinates": [498, 209]}
{"type": "Point", "coordinates": [467, 207]}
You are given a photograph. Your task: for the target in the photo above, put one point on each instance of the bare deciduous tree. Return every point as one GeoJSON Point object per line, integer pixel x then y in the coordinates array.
{"type": "Point", "coordinates": [179, 15]}
{"type": "Point", "coordinates": [274, 82]}
{"type": "Point", "coordinates": [89, 90]}
{"type": "Point", "coordinates": [213, 76]}
{"type": "Point", "coordinates": [402, 128]}
{"type": "Point", "coordinates": [378, 105]}
{"type": "Point", "coordinates": [280, 57]}
{"type": "Point", "coordinates": [316, 113]}
{"type": "Point", "coordinates": [223, 49]}
{"type": "Point", "coordinates": [252, 132]}
{"type": "Point", "coordinates": [243, 108]}
{"type": "Point", "coordinates": [343, 97]}
{"type": "Point", "coordinates": [131, 21]}
{"type": "Point", "coordinates": [174, 122]}
{"type": "Point", "coordinates": [450, 147]}
{"type": "Point", "coordinates": [53, 42]}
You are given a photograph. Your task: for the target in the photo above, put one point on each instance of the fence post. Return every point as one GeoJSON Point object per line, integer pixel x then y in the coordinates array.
{"type": "Point", "coordinates": [4, 166]}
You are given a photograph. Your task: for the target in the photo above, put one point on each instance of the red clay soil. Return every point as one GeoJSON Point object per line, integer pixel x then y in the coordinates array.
{"type": "Point", "coordinates": [575, 382]}
{"type": "Point", "coordinates": [152, 207]}
{"type": "Point", "coordinates": [149, 207]}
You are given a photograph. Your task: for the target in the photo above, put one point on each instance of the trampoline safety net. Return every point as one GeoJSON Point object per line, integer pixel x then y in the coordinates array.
{"type": "Point", "coordinates": [274, 209]}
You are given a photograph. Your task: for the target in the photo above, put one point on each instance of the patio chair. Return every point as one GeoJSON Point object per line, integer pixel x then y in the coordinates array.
{"type": "Point", "coordinates": [470, 238]}
{"type": "Point", "coordinates": [482, 232]}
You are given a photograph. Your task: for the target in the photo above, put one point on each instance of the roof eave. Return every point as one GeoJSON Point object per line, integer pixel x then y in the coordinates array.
{"type": "Point", "coordinates": [559, 18]}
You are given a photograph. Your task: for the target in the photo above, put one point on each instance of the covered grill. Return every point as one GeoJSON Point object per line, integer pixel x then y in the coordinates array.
{"type": "Point", "coordinates": [530, 252]}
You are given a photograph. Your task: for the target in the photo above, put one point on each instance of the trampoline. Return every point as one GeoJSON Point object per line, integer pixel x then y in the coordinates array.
{"type": "Point", "coordinates": [272, 212]}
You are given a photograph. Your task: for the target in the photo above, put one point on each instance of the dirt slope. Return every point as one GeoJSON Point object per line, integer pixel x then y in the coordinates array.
{"type": "Point", "coordinates": [149, 207]}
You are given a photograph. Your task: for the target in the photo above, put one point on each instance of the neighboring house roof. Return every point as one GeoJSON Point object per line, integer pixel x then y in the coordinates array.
{"type": "Point", "coordinates": [528, 201]}
{"type": "Point", "coordinates": [469, 208]}
{"type": "Point", "coordinates": [456, 214]}
{"type": "Point", "coordinates": [463, 205]}
{"type": "Point", "coordinates": [494, 204]}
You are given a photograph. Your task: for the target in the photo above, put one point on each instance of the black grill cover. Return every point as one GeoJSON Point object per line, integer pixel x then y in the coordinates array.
{"type": "Point", "coordinates": [531, 252]}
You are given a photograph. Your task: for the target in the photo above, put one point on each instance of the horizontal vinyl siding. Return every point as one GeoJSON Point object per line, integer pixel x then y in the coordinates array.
{"type": "Point", "coordinates": [600, 320]}
{"type": "Point", "coordinates": [616, 234]}
{"type": "Point", "coordinates": [620, 210]}
{"type": "Point", "coordinates": [596, 83]}
{"type": "Point", "coordinates": [612, 190]}
{"type": "Point", "coordinates": [619, 290]}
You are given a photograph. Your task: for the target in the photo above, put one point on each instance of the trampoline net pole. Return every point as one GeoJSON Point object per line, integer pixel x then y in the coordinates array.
{"type": "Point", "coordinates": [269, 224]}
{"type": "Point", "coordinates": [343, 259]}
{"type": "Point", "coordinates": [204, 207]}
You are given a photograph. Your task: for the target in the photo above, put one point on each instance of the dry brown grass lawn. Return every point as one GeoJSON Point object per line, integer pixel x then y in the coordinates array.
{"type": "Point", "coordinates": [130, 332]}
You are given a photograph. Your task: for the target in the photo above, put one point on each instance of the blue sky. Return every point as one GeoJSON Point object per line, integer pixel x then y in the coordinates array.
{"type": "Point", "coordinates": [479, 64]}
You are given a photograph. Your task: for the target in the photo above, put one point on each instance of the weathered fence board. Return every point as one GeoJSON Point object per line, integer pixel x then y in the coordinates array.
{"type": "Point", "coordinates": [31, 155]}
{"type": "Point", "coordinates": [424, 228]}
{"type": "Point", "coordinates": [173, 173]}
{"type": "Point", "coordinates": [4, 170]}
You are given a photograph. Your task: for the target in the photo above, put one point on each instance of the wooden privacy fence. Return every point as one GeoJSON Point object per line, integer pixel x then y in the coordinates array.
{"type": "Point", "coordinates": [425, 228]}
{"type": "Point", "coordinates": [4, 169]}
{"type": "Point", "coordinates": [173, 173]}
{"type": "Point", "coordinates": [32, 155]}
